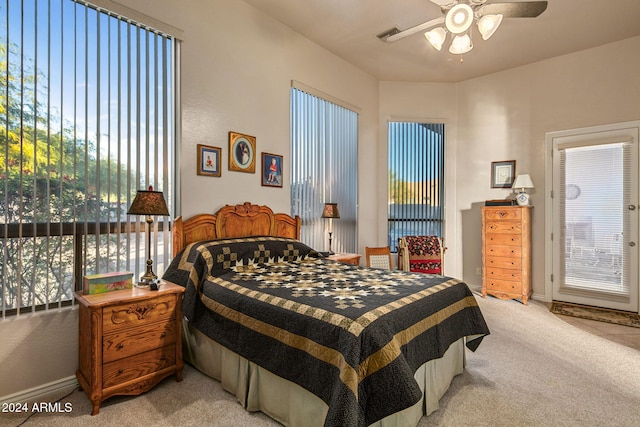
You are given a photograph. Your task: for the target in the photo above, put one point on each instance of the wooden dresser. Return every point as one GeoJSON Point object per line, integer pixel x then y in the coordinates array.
{"type": "Point", "coordinates": [506, 252]}
{"type": "Point", "coordinates": [129, 340]}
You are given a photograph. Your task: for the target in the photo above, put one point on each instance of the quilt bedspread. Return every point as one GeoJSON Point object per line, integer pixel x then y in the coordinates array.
{"type": "Point", "coordinates": [353, 336]}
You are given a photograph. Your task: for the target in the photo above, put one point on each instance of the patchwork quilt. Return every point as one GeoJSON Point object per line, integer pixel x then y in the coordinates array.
{"type": "Point", "coordinates": [353, 336]}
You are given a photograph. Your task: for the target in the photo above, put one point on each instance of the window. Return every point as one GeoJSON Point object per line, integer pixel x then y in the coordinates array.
{"type": "Point", "coordinates": [324, 156]}
{"type": "Point", "coordinates": [87, 115]}
{"type": "Point", "coordinates": [416, 180]}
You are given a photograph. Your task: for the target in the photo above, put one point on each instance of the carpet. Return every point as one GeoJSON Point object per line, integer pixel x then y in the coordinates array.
{"type": "Point", "coordinates": [625, 318]}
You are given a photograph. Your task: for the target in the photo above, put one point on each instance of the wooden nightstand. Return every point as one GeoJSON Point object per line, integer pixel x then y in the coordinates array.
{"type": "Point", "coordinates": [129, 340]}
{"type": "Point", "coordinates": [346, 258]}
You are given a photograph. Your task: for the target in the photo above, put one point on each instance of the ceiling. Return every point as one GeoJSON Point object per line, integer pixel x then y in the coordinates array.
{"type": "Point", "coordinates": [348, 28]}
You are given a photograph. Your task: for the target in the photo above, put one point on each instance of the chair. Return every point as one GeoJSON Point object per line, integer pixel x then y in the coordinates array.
{"type": "Point", "coordinates": [421, 254]}
{"type": "Point", "coordinates": [379, 257]}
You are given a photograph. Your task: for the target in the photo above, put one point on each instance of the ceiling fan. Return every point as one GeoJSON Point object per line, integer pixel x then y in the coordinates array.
{"type": "Point", "coordinates": [458, 17]}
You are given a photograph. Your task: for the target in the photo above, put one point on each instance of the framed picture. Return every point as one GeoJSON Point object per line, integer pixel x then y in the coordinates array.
{"type": "Point", "coordinates": [209, 160]}
{"type": "Point", "coordinates": [242, 152]}
{"type": "Point", "coordinates": [503, 174]}
{"type": "Point", "coordinates": [271, 170]}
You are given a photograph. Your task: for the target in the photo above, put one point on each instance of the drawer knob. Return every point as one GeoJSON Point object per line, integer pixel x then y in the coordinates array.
{"type": "Point", "coordinates": [119, 346]}
{"type": "Point", "coordinates": [162, 335]}
{"type": "Point", "coordinates": [120, 371]}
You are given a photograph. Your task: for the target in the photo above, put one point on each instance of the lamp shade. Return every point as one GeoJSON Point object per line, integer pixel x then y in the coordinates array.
{"type": "Point", "coordinates": [330, 211]}
{"type": "Point", "coordinates": [436, 37]}
{"type": "Point", "coordinates": [488, 24]}
{"type": "Point", "coordinates": [461, 44]}
{"type": "Point", "coordinates": [523, 181]}
{"type": "Point", "coordinates": [148, 202]}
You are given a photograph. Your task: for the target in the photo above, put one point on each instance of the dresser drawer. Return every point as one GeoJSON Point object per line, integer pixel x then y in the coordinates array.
{"type": "Point", "coordinates": [132, 314]}
{"type": "Point", "coordinates": [504, 250]}
{"type": "Point", "coordinates": [504, 286]}
{"type": "Point", "coordinates": [503, 214]}
{"type": "Point", "coordinates": [504, 227]}
{"type": "Point", "coordinates": [504, 274]}
{"type": "Point", "coordinates": [503, 262]}
{"type": "Point", "coordinates": [503, 239]}
{"type": "Point", "coordinates": [123, 370]}
{"type": "Point", "coordinates": [128, 342]}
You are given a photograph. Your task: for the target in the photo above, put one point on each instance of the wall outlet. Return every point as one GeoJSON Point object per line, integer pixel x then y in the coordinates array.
{"type": "Point", "coordinates": [479, 271]}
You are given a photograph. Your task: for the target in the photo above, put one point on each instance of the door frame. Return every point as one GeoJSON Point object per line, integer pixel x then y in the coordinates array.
{"type": "Point", "coordinates": [634, 126]}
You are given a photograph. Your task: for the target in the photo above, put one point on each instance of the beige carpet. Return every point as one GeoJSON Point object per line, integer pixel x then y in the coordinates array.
{"type": "Point", "coordinates": [595, 313]}
{"type": "Point", "coordinates": [533, 370]}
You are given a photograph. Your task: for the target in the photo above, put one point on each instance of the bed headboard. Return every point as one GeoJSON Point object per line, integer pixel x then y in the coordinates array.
{"type": "Point", "coordinates": [234, 221]}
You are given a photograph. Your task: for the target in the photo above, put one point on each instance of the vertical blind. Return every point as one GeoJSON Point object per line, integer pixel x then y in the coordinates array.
{"type": "Point", "coordinates": [324, 156]}
{"type": "Point", "coordinates": [416, 180]}
{"type": "Point", "coordinates": [87, 109]}
{"type": "Point", "coordinates": [594, 195]}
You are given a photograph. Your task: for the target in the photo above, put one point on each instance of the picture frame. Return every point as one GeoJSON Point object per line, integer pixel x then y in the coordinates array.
{"type": "Point", "coordinates": [242, 152]}
{"type": "Point", "coordinates": [271, 170]}
{"type": "Point", "coordinates": [209, 160]}
{"type": "Point", "coordinates": [503, 174]}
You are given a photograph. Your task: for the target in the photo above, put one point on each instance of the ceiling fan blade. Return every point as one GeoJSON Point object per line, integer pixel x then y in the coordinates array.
{"type": "Point", "coordinates": [421, 27]}
{"type": "Point", "coordinates": [442, 3]}
{"type": "Point", "coordinates": [529, 9]}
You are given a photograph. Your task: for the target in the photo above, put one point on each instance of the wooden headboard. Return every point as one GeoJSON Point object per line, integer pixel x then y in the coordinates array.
{"type": "Point", "coordinates": [234, 221]}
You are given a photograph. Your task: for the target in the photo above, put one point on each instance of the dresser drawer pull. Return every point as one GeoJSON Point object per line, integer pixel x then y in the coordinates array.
{"type": "Point", "coordinates": [119, 346]}
{"type": "Point", "coordinates": [162, 335]}
{"type": "Point", "coordinates": [120, 371]}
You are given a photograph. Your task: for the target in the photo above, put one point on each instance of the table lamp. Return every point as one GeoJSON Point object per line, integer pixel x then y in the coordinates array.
{"type": "Point", "coordinates": [148, 202]}
{"type": "Point", "coordinates": [522, 182]}
{"type": "Point", "coordinates": [330, 211]}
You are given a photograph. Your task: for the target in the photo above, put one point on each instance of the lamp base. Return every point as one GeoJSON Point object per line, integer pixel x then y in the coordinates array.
{"type": "Point", "coordinates": [522, 199]}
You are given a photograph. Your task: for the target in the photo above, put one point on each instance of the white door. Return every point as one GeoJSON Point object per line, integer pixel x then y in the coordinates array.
{"type": "Point", "coordinates": [595, 216]}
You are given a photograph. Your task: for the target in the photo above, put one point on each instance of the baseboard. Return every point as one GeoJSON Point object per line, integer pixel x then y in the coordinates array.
{"type": "Point", "coordinates": [42, 392]}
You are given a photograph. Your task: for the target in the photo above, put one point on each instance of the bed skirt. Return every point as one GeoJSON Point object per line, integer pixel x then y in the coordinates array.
{"type": "Point", "coordinates": [286, 402]}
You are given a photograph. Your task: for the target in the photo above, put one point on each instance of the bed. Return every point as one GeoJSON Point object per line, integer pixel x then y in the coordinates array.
{"type": "Point", "coordinates": [311, 341]}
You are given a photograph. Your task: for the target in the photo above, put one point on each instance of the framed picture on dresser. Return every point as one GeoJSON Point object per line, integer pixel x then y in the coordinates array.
{"type": "Point", "coordinates": [503, 173]}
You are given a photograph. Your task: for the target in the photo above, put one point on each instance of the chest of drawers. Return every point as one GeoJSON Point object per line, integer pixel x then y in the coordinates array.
{"type": "Point", "coordinates": [506, 252]}
{"type": "Point", "coordinates": [129, 340]}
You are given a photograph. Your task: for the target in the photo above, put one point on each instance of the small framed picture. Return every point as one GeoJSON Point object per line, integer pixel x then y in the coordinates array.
{"type": "Point", "coordinates": [271, 170]}
{"type": "Point", "coordinates": [503, 173]}
{"type": "Point", "coordinates": [209, 160]}
{"type": "Point", "coordinates": [242, 152]}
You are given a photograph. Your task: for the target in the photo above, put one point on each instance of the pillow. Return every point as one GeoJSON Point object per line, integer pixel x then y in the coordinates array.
{"type": "Point", "coordinates": [218, 256]}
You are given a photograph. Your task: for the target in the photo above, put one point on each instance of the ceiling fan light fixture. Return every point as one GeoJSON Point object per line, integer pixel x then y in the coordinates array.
{"type": "Point", "coordinates": [488, 24]}
{"type": "Point", "coordinates": [461, 44]}
{"type": "Point", "coordinates": [459, 18]}
{"type": "Point", "coordinates": [436, 37]}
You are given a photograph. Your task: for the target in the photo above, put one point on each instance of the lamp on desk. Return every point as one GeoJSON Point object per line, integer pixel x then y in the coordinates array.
{"type": "Point", "coordinates": [330, 211]}
{"type": "Point", "coordinates": [148, 202]}
{"type": "Point", "coordinates": [522, 182]}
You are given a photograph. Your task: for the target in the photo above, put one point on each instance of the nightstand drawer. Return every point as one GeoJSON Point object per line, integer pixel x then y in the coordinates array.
{"type": "Point", "coordinates": [138, 340]}
{"type": "Point", "coordinates": [503, 239]}
{"type": "Point", "coordinates": [504, 250]}
{"type": "Point", "coordinates": [123, 370]}
{"type": "Point", "coordinates": [504, 262]}
{"type": "Point", "coordinates": [134, 314]}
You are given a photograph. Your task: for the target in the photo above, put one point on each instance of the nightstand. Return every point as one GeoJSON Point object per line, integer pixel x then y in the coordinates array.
{"type": "Point", "coordinates": [129, 340]}
{"type": "Point", "coordinates": [346, 258]}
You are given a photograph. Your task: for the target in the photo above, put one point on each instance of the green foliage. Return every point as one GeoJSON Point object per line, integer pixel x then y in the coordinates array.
{"type": "Point", "coordinates": [47, 175]}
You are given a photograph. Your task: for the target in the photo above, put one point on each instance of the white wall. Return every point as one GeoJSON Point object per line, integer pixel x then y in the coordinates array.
{"type": "Point", "coordinates": [237, 67]}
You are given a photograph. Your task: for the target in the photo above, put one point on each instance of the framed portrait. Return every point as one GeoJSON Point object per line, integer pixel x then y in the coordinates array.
{"type": "Point", "coordinates": [271, 170]}
{"type": "Point", "coordinates": [242, 152]}
{"type": "Point", "coordinates": [209, 160]}
{"type": "Point", "coordinates": [503, 173]}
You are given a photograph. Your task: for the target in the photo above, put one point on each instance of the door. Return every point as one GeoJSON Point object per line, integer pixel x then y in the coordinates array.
{"type": "Point", "coordinates": [595, 216]}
